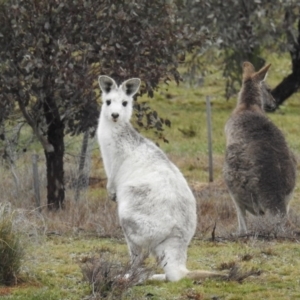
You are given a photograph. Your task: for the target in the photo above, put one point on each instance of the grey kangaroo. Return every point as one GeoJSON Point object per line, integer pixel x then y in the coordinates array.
{"type": "Point", "coordinates": [259, 170]}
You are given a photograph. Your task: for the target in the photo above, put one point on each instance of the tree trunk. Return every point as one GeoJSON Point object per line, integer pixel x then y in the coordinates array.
{"type": "Point", "coordinates": [82, 179]}
{"type": "Point", "coordinates": [290, 84]}
{"type": "Point", "coordinates": [54, 156]}
{"type": "Point", "coordinates": [287, 87]}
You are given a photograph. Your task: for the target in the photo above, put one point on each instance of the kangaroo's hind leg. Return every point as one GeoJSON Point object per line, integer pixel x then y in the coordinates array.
{"type": "Point", "coordinates": [135, 241]}
{"type": "Point", "coordinates": [241, 214]}
{"type": "Point", "coordinates": [137, 257]}
{"type": "Point", "coordinates": [136, 252]}
{"type": "Point", "coordinates": [172, 255]}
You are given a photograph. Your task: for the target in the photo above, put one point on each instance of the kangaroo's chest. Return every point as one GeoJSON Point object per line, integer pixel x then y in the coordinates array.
{"type": "Point", "coordinates": [107, 147]}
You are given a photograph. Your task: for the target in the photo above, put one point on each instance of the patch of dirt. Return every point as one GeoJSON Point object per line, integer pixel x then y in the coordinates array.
{"type": "Point", "coordinates": [7, 290]}
{"type": "Point", "coordinates": [4, 291]}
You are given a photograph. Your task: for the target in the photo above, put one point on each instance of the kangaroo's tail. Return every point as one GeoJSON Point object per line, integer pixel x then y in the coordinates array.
{"type": "Point", "coordinates": [194, 275]}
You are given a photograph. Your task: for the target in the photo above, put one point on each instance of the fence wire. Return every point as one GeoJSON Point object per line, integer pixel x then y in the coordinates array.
{"type": "Point", "coordinates": [23, 177]}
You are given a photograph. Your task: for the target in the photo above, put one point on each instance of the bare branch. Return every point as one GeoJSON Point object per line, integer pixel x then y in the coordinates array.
{"type": "Point", "coordinates": [46, 145]}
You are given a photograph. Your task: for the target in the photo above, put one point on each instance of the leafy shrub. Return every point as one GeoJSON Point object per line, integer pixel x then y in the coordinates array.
{"type": "Point", "coordinates": [109, 278]}
{"type": "Point", "coordinates": [11, 252]}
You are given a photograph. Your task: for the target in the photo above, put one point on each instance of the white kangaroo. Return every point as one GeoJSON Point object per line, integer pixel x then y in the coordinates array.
{"type": "Point", "coordinates": [156, 208]}
{"type": "Point", "coordinates": [260, 169]}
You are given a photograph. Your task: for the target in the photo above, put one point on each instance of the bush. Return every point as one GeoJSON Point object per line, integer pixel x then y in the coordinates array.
{"type": "Point", "coordinates": [11, 251]}
{"type": "Point", "coordinates": [111, 279]}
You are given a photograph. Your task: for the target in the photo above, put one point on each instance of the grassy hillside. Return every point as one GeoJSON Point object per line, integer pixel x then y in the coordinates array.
{"type": "Point", "coordinates": [58, 245]}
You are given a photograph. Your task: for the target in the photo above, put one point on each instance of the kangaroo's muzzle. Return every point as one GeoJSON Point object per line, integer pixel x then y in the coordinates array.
{"type": "Point", "coordinates": [115, 116]}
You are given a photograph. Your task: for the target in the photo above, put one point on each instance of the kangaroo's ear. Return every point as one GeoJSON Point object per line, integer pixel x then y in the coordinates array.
{"type": "Point", "coordinates": [106, 84]}
{"type": "Point", "coordinates": [261, 75]}
{"type": "Point", "coordinates": [131, 86]}
{"type": "Point", "coordinates": [248, 70]}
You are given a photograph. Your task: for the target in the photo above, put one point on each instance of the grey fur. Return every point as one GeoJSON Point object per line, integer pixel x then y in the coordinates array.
{"type": "Point", "coordinates": [259, 170]}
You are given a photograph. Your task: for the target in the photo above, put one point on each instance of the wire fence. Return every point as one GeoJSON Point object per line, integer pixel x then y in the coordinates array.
{"type": "Point", "coordinates": [23, 174]}
{"type": "Point", "coordinates": [24, 177]}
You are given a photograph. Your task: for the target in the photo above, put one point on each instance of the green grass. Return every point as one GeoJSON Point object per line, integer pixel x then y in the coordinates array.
{"type": "Point", "coordinates": [56, 272]}
{"type": "Point", "coordinates": [51, 267]}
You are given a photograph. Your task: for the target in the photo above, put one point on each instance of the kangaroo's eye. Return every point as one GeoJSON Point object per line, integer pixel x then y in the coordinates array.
{"type": "Point", "coordinates": [124, 103]}
{"type": "Point", "coordinates": [108, 102]}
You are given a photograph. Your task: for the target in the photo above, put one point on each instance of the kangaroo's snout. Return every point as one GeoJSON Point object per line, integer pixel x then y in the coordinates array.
{"type": "Point", "coordinates": [269, 107]}
{"type": "Point", "coordinates": [115, 116]}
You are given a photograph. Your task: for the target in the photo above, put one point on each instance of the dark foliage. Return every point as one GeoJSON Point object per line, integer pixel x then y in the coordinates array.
{"type": "Point", "coordinates": [51, 53]}
{"type": "Point", "coordinates": [149, 119]}
{"type": "Point", "coordinates": [243, 29]}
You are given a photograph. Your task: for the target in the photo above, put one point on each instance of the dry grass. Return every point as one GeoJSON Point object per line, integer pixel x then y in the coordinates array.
{"type": "Point", "coordinates": [82, 218]}
{"type": "Point", "coordinates": [110, 278]}
{"type": "Point", "coordinates": [11, 248]}
{"type": "Point", "coordinates": [217, 217]}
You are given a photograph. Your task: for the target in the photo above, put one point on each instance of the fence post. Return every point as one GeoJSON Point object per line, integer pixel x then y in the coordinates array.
{"type": "Point", "coordinates": [209, 138]}
{"type": "Point", "coordinates": [36, 182]}
{"type": "Point", "coordinates": [82, 178]}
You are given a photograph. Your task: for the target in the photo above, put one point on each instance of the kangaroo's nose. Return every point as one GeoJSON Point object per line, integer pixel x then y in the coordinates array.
{"type": "Point", "coordinates": [115, 115]}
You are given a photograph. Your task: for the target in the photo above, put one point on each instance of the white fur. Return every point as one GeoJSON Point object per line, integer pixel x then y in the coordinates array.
{"type": "Point", "coordinates": [156, 208]}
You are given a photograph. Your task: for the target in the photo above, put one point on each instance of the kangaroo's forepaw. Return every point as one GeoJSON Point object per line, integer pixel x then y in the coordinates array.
{"type": "Point", "coordinates": [112, 196]}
